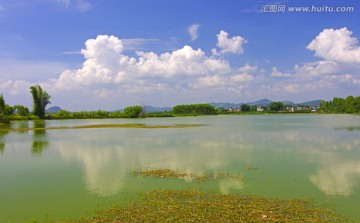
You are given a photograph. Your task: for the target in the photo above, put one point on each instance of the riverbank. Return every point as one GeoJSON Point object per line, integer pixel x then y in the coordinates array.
{"type": "Point", "coordinates": [158, 115]}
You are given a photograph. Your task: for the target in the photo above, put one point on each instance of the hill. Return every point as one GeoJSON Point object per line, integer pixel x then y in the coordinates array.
{"type": "Point", "coordinates": [53, 109]}
{"type": "Point", "coordinates": [315, 103]}
{"type": "Point", "coordinates": [225, 105]}
{"type": "Point", "coordinates": [262, 102]}
{"type": "Point", "coordinates": [157, 109]}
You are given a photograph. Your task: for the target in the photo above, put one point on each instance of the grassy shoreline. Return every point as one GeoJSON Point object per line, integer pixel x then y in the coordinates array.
{"type": "Point", "coordinates": [158, 115]}
{"type": "Point", "coordinates": [101, 126]}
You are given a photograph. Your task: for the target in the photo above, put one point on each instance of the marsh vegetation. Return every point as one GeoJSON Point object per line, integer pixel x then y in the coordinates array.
{"type": "Point", "coordinates": [197, 206]}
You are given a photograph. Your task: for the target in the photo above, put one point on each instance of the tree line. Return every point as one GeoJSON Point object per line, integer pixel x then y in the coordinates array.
{"type": "Point", "coordinates": [40, 100]}
{"type": "Point", "coordinates": [275, 106]}
{"type": "Point", "coordinates": [129, 112]}
{"type": "Point", "coordinates": [350, 104]}
{"type": "Point", "coordinates": [194, 109]}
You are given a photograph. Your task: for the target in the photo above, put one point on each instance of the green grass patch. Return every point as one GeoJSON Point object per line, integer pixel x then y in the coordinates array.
{"type": "Point", "coordinates": [167, 173]}
{"type": "Point", "coordinates": [197, 206]}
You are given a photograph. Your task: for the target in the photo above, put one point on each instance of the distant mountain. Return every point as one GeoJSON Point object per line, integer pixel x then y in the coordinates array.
{"type": "Point", "coordinates": [315, 103]}
{"type": "Point", "coordinates": [289, 103]}
{"type": "Point", "coordinates": [262, 102]}
{"type": "Point", "coordinates": [156, 109]}
{"type": "Point", "coordinates": [53, 109]}
{"type": "Point", "coordinates": [225, 105]}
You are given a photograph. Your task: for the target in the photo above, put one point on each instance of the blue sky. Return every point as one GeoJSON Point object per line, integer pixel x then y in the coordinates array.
{"type": "Point", "coordinates": [110, 54]}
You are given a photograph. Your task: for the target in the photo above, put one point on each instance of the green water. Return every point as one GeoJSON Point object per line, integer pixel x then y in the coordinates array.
{"type": "Point", "coordinates": [61, 174]}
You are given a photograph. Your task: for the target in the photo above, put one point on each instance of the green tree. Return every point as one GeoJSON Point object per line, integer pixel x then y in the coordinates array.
{"type": "Point", "coordinates": [276, 106]}
{"type": "Point", "coordinates": [245, 107]}
{"type": "Point", "coordinates": [340, 105]}
{"type": "Point", "coordinates": [194, 109]}
{"type": "Point", "coordinates": [350, 104]}
{"type": "Point", "coordinates": [3, 111]}
{"type": "Point", "coordinates": [21, 110]}
{"type": "Point", "coordinates": [2, 104]}
{"type": "Point", "coordinates": [254, 108]}
{"type": "Point", "coordinates": [134, 112]}
{"type": "Point", "coordinates": [8, 110]}
{"type": "Point", "coordinates": [357, 104]}
{"type": "Point", "coordinates": [41, 99]}
{"type": "Point", "coordinates": [62, 114]}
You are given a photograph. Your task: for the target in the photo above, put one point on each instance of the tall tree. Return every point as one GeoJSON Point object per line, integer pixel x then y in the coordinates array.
{"type": "Point", "coordinates": [276, 106]}
{"type": "Point", "coordinates": [2, 104]}
{"type": "Point", "coordinates": [245, 107]}
{"type": "Point", "coordinates": [41, 100]}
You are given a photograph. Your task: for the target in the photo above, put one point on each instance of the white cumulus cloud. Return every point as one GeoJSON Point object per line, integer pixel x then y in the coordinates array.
{"type": "Point", "coordinates": [244, 74]}
{"type": "Point", "coordinates": [336, 45]}
{"type": "Point", "coordinates": [107, 64]}
{"type": "Point", "coordinates": [229, 45]}
{"type": "Point", "coordinates": [211, 81]}
{"type": "Point", "coordinates": [184, 75]}
{"type": "Point", "coordinates": [313, 69]}
{"type": "Point", "coordinates": [17, 87]}
{"type": "Point", "coordinates": [276, 73]}
{"type": "Point", "coordinates": [193, 31]}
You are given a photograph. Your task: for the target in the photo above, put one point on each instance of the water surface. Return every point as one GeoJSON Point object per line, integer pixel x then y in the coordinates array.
{"type": "Point", "coordinates": [68, 173]}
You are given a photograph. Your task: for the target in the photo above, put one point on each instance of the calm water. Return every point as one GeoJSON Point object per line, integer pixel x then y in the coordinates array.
{"type": "Point", "coordinates": [69, 173]}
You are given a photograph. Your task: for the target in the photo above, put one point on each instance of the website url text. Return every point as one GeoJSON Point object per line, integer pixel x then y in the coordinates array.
{"type": "Point", "coordinates": [324, 8]}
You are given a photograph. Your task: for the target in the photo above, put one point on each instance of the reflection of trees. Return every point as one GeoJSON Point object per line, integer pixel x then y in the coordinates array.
{"type": "Point", "coordinates": [353, 129]}
{"type": "Point", "coordinates": [2, 147]}
{"type": "Point", "coordinates": [22, 125]}
{"type": "Point", "coordinates": [38, 146]}
{"type": "Point", "coordinates": [3, 133]}
{"type": "Point", "coordinates": [39, 138]}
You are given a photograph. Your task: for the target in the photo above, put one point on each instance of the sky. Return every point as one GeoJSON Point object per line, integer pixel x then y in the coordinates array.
{"type": "Point", "coordinates": [91, 55]}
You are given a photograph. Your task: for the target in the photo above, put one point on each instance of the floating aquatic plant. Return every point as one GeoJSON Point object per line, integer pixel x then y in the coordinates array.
{"type": "Point", "coordinates": [196, 206]}
{"type": "Point", "coordinates": [167, 173]}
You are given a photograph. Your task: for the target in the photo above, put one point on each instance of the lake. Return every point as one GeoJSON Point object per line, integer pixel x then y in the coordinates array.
{"type": "Point", "coordinates": [68, 173]}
